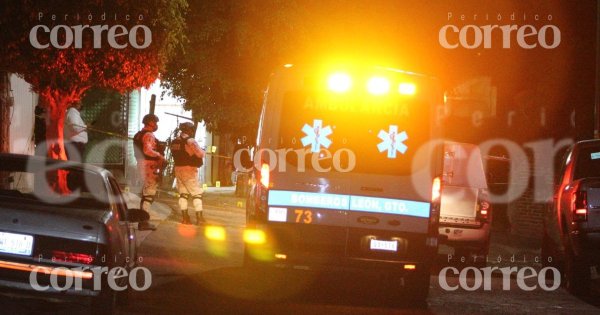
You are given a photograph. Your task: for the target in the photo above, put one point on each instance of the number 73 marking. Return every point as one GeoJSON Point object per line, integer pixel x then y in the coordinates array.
{"type": "Point", "coordinates": [303, 216]}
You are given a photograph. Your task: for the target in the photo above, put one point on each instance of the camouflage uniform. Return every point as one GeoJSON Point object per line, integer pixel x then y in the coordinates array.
{"type": "Point", "coordinates": [186, 173]}
{"type": "Point", "coordinates": [149, 169]}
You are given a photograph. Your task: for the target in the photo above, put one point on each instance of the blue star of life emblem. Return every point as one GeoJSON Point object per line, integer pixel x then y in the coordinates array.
{"type": "Point", "coordinates": [392, 141]}
{"type": "Point", "coordinates": [316, 136]}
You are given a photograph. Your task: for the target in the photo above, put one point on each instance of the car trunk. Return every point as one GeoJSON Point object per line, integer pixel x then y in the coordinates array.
{"type": "Point", "coordinates": [55, 222]}
{"type": "Point", "coordinates": [463, 179]}
{"type": "Point", "coordinates": [593, 201]}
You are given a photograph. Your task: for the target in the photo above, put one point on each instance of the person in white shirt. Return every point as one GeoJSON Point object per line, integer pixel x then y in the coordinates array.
{"type": "Point", "coordinates": [75, 133]}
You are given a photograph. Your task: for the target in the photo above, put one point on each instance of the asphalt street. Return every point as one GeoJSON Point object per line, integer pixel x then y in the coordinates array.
{"type": "Point", "coordinates": [193, 275]}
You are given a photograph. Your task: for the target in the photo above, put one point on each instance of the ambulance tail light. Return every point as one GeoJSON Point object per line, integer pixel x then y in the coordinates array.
{"type": "Point", "coordinates": [259, 208]}
{"type": "Point", "coordinates": [265, 173]}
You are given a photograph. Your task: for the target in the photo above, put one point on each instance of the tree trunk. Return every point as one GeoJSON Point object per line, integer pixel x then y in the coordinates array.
{"type": "Point", "coordinates": [5, 105]}
{"type": "Point", "coordinates": [56, 105]}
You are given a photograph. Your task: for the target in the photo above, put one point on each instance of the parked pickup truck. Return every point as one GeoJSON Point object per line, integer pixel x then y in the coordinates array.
{"type": "Point", "coordinates": [465, 215]}
{"type": "Point", "coordinates": [572, 222]}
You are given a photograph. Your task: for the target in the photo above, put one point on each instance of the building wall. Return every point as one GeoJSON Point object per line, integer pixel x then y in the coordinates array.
{"type": "Point", "coordinates": [22, 116]}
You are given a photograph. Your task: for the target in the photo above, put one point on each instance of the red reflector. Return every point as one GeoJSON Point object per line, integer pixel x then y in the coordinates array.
{"type": "Point", "coordinates": [78, 258]}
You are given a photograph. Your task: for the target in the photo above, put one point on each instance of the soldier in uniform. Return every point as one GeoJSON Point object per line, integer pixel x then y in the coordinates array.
{"type": "Point", "coordinates": [187, 156]}
{"type": "Point", "coordinates": [150, 162]}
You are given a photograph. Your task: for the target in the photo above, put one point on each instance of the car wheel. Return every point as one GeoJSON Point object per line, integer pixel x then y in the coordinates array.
{"type": "Point", "coordinates": [415, 291]}
{"type": "Point", "coordinates": [105, 303]}
{"type": "Point", "coordinates": [419, 286]}
{"type": "Point", "coordinates": [123, 297]}
{"type": "Point", "coordinates": [577, 274]}
{"type": "Point", "coordinates": [549, 252]}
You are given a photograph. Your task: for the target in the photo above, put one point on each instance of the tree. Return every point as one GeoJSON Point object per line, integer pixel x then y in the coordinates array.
{"type": "Point", "coordinates": [77, 54]}
{"type": "Point", "coordinates": [232, 47]}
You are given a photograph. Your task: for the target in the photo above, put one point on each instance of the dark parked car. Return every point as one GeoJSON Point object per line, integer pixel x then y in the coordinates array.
{"type": "Point", "coordinates": [572, 224]}
{"type": "Point", "coordinates": [43, 233]}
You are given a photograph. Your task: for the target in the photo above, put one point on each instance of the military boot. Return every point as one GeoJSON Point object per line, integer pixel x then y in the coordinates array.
{"type": "Point", "coordinates": [199, 218]}
{"type": "Point", "coordinates": [185, 217]}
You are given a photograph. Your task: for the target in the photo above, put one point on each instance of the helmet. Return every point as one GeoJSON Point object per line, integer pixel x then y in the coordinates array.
{"type": "Point", "coordinates": [187, 127]}
{"type": "Point", "coordinates": [148, 118]}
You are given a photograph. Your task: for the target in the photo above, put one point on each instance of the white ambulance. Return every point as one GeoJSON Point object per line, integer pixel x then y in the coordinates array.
{"type": "Point", "coordinates": [348, 175]}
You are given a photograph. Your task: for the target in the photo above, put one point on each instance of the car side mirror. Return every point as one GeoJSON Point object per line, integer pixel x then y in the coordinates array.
{"type": "Point", "coordinates": [137, 215]}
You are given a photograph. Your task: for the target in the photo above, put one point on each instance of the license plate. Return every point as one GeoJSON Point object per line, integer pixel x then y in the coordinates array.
{"type": "Point", "coordinates": [18, 244]}
{"type": "Point", "coordinates": [391, 246]}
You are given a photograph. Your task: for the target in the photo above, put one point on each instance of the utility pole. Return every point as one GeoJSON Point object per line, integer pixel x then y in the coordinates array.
{"type": "Point", "coordinates": [152, 103]}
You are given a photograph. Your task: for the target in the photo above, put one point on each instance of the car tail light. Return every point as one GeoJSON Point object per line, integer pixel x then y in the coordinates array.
{"type": "Point", "coordinates": [579, 206]}
{"type": "Point", "coordinates": [78, 258]}
{"type": "Point", "coordinates": [434, 215]}
{"type": "Point", "coordinates": [265, 174]}
{"type": "Point", "coordinates": [483, 207]}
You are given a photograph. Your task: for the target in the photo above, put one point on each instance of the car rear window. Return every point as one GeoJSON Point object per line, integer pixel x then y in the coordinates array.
{"type": "Point", "coordinates": [588, 163]}
{"type": "Point", "coordinates": [32, 182]}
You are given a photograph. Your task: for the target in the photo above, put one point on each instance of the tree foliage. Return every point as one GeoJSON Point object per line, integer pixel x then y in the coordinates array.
{"type": "Point", "coordinates": [232, 48]}
{"type": "Point", "coordinates": [61, 76]}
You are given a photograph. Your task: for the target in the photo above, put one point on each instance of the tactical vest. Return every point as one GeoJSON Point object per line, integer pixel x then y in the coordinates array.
{"type": "Point", "coordinates": [180, 155]}
{"type": "Point", "coordinates": [138, 144]}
